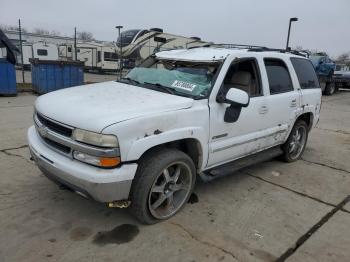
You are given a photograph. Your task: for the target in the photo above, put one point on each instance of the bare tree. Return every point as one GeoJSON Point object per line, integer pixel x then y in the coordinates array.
{"type": "Point", "coordinates": [55, 33]}
{"type": "Point", "coordinates": [343, 58]}
{"type": "Point", "coordinates": [84, 35]}
{"type": "Point", "coordinates": [299, 48]}
{"type": "Point", "coordinates": [12, 28]}
{"type": "Point", "coordinates": [41, 31]}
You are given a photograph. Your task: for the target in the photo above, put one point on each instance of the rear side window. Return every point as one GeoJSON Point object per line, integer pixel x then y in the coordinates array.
{"type": "Point", "coordinates": [42, 52]}
{"type": "Point", "coordinates": [306, 73]}
{"type": "Point", "coordinates": [278, 75]}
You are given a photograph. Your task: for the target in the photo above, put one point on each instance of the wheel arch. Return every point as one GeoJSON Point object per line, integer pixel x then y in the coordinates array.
{"type": "Point", "coordinates": [308, 117]}
{"type": "Point", "coordinates": [190, 146]}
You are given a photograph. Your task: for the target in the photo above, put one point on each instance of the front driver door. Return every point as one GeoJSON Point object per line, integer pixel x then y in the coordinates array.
{"type": "Point", "coordinates": [229, 141]}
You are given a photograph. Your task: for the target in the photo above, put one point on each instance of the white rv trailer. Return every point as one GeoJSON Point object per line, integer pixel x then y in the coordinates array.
{"type": "Point", "coordinates": [136, 46]}
{"type": "Point", "coordinates": [96, 56]}
{"type": "Point", "coordinates": [40, 50]}
{"type": "Point", "coordinates": [139, 44]}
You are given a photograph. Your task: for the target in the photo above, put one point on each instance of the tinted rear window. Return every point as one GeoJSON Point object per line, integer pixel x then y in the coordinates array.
{"type": "Point", "coordinates": [306, 73]}
{"type": "Point", "coordinates": [278, 75]}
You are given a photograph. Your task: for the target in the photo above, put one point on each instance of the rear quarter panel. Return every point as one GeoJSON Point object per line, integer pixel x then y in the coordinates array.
{"type": "Point", "coordinates": [310, 99]}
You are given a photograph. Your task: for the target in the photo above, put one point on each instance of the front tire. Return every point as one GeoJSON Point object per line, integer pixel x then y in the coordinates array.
{"type": "Point", "coordinates": [162, 185]}
{"type": "Point", "coordinates": [295, 145]}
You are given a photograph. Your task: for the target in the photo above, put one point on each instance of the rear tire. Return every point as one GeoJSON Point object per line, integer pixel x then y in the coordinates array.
{"type": "Point", "coordinates": [295, 145]}
{"type": "Point", "coordinates": [162, 185]}
{"type": "Point", "coordinates": [330, 89]}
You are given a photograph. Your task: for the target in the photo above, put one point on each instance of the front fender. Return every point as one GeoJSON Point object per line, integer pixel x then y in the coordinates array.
{"type": "Point", "coordinates": [140, 146]}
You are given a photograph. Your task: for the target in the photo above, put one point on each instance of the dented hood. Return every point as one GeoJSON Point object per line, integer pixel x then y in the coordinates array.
{"type": "Point", "coordinates": [96, 106]}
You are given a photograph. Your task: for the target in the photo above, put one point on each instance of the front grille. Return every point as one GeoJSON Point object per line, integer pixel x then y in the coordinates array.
{"type": "Point", "coordinates": [44, 124]}
{"type": "Point", "coordinates": [60, 129]}
{"type": "Point", "coordinates": [59, 137]}
{"type": "Point", "coordinates": [60, 147]}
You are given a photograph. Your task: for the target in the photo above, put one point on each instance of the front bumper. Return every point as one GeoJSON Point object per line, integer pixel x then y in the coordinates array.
{"type": "Point", "coordinates": [103, 185]}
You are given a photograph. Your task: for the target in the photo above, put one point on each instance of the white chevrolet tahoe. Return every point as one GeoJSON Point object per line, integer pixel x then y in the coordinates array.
{"type": "Point", "coordinates": [182, 114]}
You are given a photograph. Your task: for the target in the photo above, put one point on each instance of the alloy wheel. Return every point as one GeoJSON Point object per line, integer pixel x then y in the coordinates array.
{"type": "Point", "coordinates": [170, 190]}
{"type": "Point", "coordinates": [297, 143]}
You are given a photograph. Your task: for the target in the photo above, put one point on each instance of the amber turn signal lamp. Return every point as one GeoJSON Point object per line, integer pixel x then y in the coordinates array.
{"type": "Point", "coordinates": [109, 161]}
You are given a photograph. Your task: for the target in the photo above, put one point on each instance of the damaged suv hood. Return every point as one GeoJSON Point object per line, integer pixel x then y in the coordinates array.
{"type": "Point", "coordinates": [96, 106]}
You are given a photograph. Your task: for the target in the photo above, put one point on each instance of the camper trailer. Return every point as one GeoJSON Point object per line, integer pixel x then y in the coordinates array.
{"type": "Point", "coordinates": [136, 45]}
{"type": "Point", "coordinates": [39, 50]}
{"type": "Point", "coordinates": [96, 56]}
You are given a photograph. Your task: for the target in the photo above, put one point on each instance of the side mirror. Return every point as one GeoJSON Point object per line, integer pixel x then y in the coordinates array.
{"type": "Point", "coordinates": [238, 97]}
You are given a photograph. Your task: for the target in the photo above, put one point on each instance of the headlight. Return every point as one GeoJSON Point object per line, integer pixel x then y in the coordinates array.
{"type": "Point", "coordinates": [97, 161]}
{"type": "Point", "coordinates": [95, 138]}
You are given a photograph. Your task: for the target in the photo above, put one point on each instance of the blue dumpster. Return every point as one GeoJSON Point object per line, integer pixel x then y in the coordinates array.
{"type": "Point", "coordinates": [48, 75]}
{"type": "Point", "coordinates": [7, 78]}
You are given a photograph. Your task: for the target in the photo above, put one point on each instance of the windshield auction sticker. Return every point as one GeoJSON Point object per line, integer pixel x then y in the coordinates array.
{"type": "Point", "coordinates": [183, 85]}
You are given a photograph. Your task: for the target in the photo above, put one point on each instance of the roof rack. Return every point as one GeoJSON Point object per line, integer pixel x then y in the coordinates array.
{"type": "Point", "coordinates": [255, 48]}
{"type": "Point", "coordinates": [238, 46]}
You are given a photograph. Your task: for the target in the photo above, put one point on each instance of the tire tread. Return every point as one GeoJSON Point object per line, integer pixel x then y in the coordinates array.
{"type": "Point", "coordinates": [149, 165]}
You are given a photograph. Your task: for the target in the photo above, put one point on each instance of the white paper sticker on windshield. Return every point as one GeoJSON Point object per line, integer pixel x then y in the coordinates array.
{"type": "Point", "coordinates": [183, 85]}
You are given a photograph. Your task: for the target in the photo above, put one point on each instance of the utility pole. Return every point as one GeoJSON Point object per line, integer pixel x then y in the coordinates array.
{"type": "Point", "coordinates": [293, 19]}
{"type": "Point", "coordinates": [20, 42]}
{"type": "Point", "coordinates": [75, 44]}
{"type": "Point", "coordinates": [120, 50]}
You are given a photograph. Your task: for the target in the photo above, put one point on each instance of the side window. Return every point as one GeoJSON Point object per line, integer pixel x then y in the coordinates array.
{"type": "Point", "coordinates": [69, 49]}
{"type": "Point", "coordinates": [98, 56]}
{"type": "Point", "coordinates": [243, 75]}
{"type": "Point", "coordinates": [306, 73]}
{"type": "Point", "coordinates": [110, 56]}
{"type": "Point", "coordinates": [278, 75]}
{"type": "Point", "coordinates": [41, 52]}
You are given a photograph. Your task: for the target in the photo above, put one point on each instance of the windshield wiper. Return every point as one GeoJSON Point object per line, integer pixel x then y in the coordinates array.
{"type": "Point", "coordinates": [167, 89]}
{"type": "Point", "coordinates": [130, 80]}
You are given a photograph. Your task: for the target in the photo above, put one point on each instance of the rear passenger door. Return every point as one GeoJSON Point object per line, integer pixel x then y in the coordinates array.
{"type": "Point", "coordinates": [283, 102]}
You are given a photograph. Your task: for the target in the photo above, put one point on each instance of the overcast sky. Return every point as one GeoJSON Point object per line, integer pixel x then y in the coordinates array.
{"type": "Point", "coordinates": [323, 25]}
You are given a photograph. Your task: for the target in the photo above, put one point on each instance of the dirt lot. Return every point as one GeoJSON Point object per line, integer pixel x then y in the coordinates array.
{"type": "Point", "coordinates": [268, 212]}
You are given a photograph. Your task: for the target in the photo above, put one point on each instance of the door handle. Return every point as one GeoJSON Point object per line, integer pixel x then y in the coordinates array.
{"type": "Point", "coordinates": [293, 103]}
{"type": "Point", "coordinates": [263, 109]}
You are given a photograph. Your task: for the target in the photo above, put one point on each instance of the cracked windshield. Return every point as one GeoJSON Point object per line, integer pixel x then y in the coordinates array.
{"type": "Point", "coordinates": [180, 78]}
